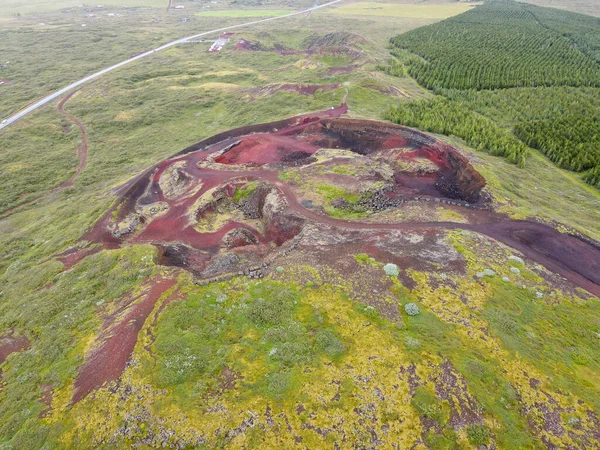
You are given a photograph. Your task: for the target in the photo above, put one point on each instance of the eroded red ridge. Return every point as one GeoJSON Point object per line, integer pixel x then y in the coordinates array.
{"type": "Point", "coordinates": [116, 343]}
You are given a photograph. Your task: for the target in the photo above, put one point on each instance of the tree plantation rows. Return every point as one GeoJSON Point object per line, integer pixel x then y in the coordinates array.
{"type": "Point", "coordinates": [509, 76]}
{"type": "Point", "coordinates": [450, 118]}
{"type": "Point", "coordinates": [508, 107]}
{"type": "Point", "coordinates": [572, 142]}
{"type": "Point", "coordinates": [583, 30]}
{"type": "Point", "coordinates": [498, 45]}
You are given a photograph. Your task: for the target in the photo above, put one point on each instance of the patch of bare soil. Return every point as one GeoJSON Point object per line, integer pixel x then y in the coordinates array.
{"type": "Point", "coordinates": [9, 343]}
{"type": "Point", "coordinates": [46, 398]}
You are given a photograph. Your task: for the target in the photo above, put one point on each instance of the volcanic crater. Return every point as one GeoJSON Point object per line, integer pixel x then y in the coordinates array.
{"type": "Point", "coordinates": [224, 207]}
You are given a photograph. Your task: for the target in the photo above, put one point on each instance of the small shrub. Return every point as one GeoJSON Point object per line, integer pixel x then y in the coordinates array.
{"type": "Point", "coordinates": [573, 421]}
{"type": "Point", "coordinates": [369, 311]}
{"type": "Point", "coordinates": [478, 434]}
{"type": "Point", "coordinates": [412, 343]}
{"type": "Point", "coordinates": [477, 369]}
{"type": "Point", "coordinates": [440, 442]}
{"type": "Point", "coordinates": [580, 358]}
{"type": "Point", "coordinates": [291, 354]}
{"type": "Point", "coordinates": [289, 333]}
{"type": "Point", "coordinates": [486, 273]}
{"type": "Point", "coordinates": [361, 257]}
{"type": "Point", "coordinates": [411, 309]}
{"type": "Point", "coordinates": [391, 270]}
{"type": "Point", "coordinates": [504, 322]}
{"type": "Point", "coordinates": [516, 259]}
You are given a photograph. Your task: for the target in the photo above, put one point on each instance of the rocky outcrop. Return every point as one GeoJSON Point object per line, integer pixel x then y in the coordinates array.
{"type": "Point", "coordinates": [239, 237]}
{"type": "Point", "coordinates": [284, 227]}
{"type": "Point", "coordinates": [175, 181]}
{"type": "Point", "coordinates": [253, 206]}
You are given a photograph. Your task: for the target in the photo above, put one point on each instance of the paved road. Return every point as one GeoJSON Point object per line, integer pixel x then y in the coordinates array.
{"type": "Point", "coordinates": [51, 97]}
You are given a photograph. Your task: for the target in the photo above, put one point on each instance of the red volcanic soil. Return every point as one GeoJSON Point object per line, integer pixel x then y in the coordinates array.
{"type": "Point", "coordinates": [259, 152]}
{"type": "Point", "coordinates": [11, 344]}
{"type": "Point", "coordinates": [261, 149]}
{"type": "Point", "coordinates": [338, 42]}
{"type": "Point", "coordinates": [46, 398]}
{"type": "Point", "coordinates": [117, 341]}
{"type": "Point", "coordinates": [82, 152]}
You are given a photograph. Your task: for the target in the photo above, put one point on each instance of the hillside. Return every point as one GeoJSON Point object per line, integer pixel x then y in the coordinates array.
{"type": "Point", "coordinates": [274, 236]}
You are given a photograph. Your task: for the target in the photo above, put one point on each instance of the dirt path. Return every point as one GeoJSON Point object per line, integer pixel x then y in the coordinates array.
{"type": "Point", "coordinates": [82, 152]}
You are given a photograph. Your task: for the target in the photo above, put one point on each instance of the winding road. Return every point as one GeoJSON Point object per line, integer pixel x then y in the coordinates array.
{"type": "Point", "coordinates": [38, 104]}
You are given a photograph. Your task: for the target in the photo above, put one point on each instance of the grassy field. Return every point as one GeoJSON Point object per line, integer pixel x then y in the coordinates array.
{"type": "Point", "coordinates": [13, 7]}
{"type": "Point", "coordinates": [415, 11]}
{"type": "Point", "coordinates": [245, 13]}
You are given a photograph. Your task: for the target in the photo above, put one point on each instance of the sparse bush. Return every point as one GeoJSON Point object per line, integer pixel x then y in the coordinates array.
{"type": "Point", "coordinates": [478, 434]}
{"type": "Point", "coordinates": [412, 343]}
{"type": "Point", "coordinates": [288, 333]}
{"type": "Point", "coordinates": [330, 344]}
{"type": "Point", "coordinates": [426, 404]}
{"type": "Point", "coordinates": [411, 309]}
{"type": "Point", "coordinates": [274, 305]}
{"type": "Point", "coordinates": [504, 322]}
{"type": "Point", "coordinates": [278, 384]}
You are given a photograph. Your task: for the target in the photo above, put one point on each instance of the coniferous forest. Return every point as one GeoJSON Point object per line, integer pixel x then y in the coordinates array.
{"type": "Point", "coordinates": [508, 76]}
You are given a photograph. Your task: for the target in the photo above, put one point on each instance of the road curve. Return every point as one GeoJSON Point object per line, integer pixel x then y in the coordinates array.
{"type": "Point", "coordinates": [12, 119]}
